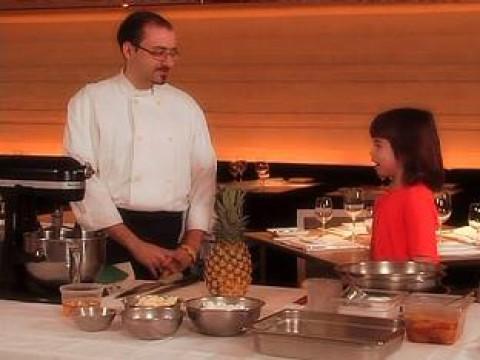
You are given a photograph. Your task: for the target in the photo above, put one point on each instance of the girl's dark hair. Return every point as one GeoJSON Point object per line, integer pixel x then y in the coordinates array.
{"type": "Point", "coordinates": [414, 139]}
{"type": "Point", "coordinates": [131, 28]}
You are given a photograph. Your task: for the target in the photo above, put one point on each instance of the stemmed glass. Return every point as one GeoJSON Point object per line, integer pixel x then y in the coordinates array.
{"type": "Point", "coordinates": [474, 218]}
{"type": "Point", "coordinates": [368, 217]}
{"type": "Point", "coordinates": [263, 171]}
{"type": "Point", "coordinates": [443, 203]}
{"type": "Point", "coordinates": [237, 168]}
{"type": "Point", "coordinates": [324, 210]}
{"type": "Point", "coordinates": [242, 166]}
{"type": "Point", "coordinates": [353, 204]}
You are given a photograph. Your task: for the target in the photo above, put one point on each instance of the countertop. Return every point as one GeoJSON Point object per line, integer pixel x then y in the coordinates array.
{"type": "Point", "coordinates": [39, 331]}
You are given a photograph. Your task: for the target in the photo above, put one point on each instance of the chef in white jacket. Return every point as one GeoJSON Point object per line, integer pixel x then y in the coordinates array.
{"type": "Point", "coordinates": [148, 144]}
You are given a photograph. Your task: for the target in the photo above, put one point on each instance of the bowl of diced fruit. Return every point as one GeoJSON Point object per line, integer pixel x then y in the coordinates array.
{"type": "Point", "coordinates": [223, 315]}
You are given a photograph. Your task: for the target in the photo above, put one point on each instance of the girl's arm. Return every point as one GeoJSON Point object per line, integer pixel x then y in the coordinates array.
{"type": "Point", "coordinates": [421, 223]}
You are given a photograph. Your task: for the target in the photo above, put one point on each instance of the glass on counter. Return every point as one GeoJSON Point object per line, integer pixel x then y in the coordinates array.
{"type": "Point", "coordinates": [320, 292]}
{"type": "Point", "coordinates": [80, 295]}
{"type": "Point", "coordinates": [435, 318]}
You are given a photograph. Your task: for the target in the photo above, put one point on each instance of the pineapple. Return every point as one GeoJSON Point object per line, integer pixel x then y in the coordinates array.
{"type": "Point", "coordinates": [228, 267]}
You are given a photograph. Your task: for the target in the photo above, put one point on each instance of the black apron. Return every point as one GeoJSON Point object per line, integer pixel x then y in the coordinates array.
{"type": "Point", "coordinates": [161, 228]}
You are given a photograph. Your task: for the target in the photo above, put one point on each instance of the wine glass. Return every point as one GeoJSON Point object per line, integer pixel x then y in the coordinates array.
{"type": "Point", "coordinates": [443, 203]}
{"type": "Point", "coordinates": [324, 210]}
{"type": "Point", "coordinates": [263, 171]}
{"type": "Point", "coordinates": [242, 166]}
{"type": "Point", "coordinates": [234, 169]}
{"type": "Point", "coordinates": [474, 218]}
{"type": "Point", "coordinates": [237, 168]}
{"type": "Point", "coordinates": [368, 217]}
{"type": "Point", "coordinates": [353, 204]}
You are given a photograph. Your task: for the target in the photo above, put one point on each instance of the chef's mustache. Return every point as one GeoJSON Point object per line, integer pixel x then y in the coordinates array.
{"type": "Point", "coordinates": [163, 68]}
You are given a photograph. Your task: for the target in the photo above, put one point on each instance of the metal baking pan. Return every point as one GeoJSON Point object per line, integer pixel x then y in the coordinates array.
{"type": "Point", "coordinates": [313, 335]}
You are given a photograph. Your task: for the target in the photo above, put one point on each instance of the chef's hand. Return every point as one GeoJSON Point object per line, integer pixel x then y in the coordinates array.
{"type": "Point", "coordinates": [181, 259]}
{"type": "Point", "coordinates": [155, 258]}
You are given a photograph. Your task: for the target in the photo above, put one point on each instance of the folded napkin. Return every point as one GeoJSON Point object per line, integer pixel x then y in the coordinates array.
{"type": "Point", "coordinates": [319, 243]}
{"type": "Point", "coordinates": [457, 248]}
{"type": "Point", "coordinates": [287, 232]}
{"type": "Point", "coordinates": [464, 234]}
{"type": "Point", "coordinates": [345, 229]}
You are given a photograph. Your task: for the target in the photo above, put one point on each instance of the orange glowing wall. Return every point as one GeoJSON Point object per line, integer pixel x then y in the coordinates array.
{"type": "Point", "coordinates": [289, 83]}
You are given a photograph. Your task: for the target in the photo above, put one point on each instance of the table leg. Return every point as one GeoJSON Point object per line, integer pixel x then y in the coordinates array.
{"type": "Point", "coordinates": [263, 264]}
{"type": "Point", "coordinates": [301, 270]}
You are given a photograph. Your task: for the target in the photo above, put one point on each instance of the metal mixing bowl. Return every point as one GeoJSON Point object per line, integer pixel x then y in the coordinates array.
{"type": "Point", "coordinates": [152, 323]}
{"type": "Point", "coordinates": [391, 275]}
{"type": "Point", "coordinates": [49, 257]}
{"type": "Point", "coordinates": [222, 315]}
{"type": "Point", "coordinates": [93, 318]}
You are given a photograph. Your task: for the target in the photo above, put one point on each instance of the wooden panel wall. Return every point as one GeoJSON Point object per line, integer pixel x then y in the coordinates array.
{"type": "Point", "coordinates": [291, 83]}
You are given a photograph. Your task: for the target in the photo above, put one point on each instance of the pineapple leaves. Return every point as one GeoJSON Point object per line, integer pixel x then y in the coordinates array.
{"type": "Point", "coordinates": [230, 222]}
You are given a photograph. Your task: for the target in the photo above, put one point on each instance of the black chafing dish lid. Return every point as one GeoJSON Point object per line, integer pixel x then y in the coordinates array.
{"type": "Point", "coordinates": [44, 168]}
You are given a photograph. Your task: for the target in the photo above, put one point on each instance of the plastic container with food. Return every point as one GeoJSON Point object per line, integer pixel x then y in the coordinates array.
{"type": "Point", "coordinates": [80, 295]}
{"type": "Point", "coordinates": [435, 318]}
{"type": "Point", "coordinates": [375, 303]}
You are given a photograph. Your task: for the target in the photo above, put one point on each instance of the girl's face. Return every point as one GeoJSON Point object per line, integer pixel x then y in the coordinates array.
{"type": "Point", "coordinates": [386, 164]}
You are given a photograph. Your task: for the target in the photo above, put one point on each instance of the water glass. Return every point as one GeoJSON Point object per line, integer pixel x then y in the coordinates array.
{"type": "Point", "coordinates": [324, 210]}
{"type": "Point", "coordinates": [353, 205]}
{"type": "Point", "coordinates": [474, 218]}
{"type": "Point", "coordinates": [443, 203]}
{"type": "Point", "coordinates": [322, 293]}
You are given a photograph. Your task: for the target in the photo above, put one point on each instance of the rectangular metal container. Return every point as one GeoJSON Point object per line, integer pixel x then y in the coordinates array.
{"type": "Point", "coordinates": [312, 335]}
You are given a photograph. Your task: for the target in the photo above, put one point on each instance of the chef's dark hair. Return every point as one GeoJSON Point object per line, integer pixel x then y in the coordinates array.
{"type": "Point", "coordinates": [131, 28]}
{"type": "Point", "coordinates": [413, 135]}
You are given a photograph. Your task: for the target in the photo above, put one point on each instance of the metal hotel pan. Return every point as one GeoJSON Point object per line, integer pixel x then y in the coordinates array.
{"type": "Point", "coordinates": [390, 275]}
{"type": "Point", "coordinates": [328, 336]}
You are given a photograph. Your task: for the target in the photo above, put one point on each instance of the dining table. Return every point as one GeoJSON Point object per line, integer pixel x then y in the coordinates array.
{"type": "Point", "coordinates": [306, 252]}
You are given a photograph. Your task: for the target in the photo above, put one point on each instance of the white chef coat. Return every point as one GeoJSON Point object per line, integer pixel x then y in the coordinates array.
{"type": "Point", "coordinates": [150, 150]}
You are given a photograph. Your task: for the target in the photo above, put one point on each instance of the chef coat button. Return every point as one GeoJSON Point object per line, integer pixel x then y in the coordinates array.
{"type": "Point", "coordinates": [170, 139]}
{"type": "Point", "coordinates": [158, 101]}
{"type": "Point", "coordinates": [139, 138]}
{"type": "Point", "coordinates": [135, 101]}
{"type": "Point", "coordinates": [136, 178]}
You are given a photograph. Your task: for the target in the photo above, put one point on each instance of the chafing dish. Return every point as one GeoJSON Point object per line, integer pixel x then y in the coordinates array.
{"type": "Point", "coordinates": [390, 275]}
{"type": "Point", "coordinates": [312, 335]}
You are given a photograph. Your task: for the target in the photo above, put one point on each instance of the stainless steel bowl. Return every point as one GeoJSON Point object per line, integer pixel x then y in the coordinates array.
{"type": "Point", "coordinates": [50, 256]}
{"type": "Point", "coordinates": [152, 323]}
{"type": "Point", "coordinates": [93, 318]}
{"type": "Point", "coordinates": [223, 316]}
{"type": "Point", "coordinates": [389, 275]}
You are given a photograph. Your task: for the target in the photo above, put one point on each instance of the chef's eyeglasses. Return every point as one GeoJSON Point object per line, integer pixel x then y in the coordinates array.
{"type": "Point", "coordinates": [161, 53]}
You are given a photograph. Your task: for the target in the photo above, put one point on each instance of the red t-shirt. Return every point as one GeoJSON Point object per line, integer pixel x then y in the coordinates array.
{"type": "Point", "coordinates": [404, 225]}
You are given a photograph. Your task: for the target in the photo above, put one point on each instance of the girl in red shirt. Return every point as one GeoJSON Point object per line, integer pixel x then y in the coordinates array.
{"type": "Point", "coordinates": [406, 151]}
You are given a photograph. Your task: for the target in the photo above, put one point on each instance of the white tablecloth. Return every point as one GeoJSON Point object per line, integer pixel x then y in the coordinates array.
{"type": "Point", "coordinates": [39, 331]}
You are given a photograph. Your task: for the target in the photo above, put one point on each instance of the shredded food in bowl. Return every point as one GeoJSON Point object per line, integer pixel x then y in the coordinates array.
{"type": "Point", "coordinates": [215, 305]}
{"type": "Point", "coordinates": [156, 300]}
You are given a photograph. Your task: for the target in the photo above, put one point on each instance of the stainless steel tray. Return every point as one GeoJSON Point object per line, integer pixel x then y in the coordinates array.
{"type": "Point", "coordinates": [312, 335]}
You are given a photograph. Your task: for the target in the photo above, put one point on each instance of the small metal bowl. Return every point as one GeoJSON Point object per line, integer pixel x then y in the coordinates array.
{"type": "Point", "coordinates": [222, 315]}
{"type": "Point", "coordinates": [93, 318]}
{"type": "Point", "coordinates": [152, 323]}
